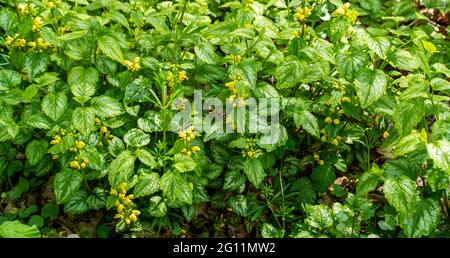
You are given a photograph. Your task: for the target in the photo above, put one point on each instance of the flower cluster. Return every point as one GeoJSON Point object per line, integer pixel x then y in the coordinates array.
{"type": "Point", "coordinates": [57, 138]}
{"type": "Point", "coordinates": [51, 4]}
{"type": "Point", "coordinates": [25, 9]}
{"type": "Point", "coordinates": [37, 24]}
{"type": "Point", "coordinates": [78, 162]}
{"type": "Point", "coordinates": [188, 135]}
{"type": "Point", "coordinates": [104, 132]}
{"type": "Point", "coordinates": [182, 76]}
{"type": "Point", "coordinates": [250, 151]}
{"type": "Point", "coordinates": [317, 159]}
{"type": "Point", "coordinates": [346, 12]}
{"type": "Point", "coordinates": [124, 205]}
{"type": "Point", "coordinates": [133, 66]}
{"type": "Point", "coordinates": [301, 14]}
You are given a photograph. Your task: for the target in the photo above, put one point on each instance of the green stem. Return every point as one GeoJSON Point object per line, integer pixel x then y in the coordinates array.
{"type": "Point", "coordinates": [282, 197]}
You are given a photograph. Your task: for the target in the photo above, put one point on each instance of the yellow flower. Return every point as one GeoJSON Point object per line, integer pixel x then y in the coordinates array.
{"type": "Point", "coordinates": [182, 134]}
{"type": "Point", "coordinates": [118, 216]}
{"type": "Point", "coordinates": [346, 99]}
{"type": "Point", "coordinates": [346, 6]}
{"type": "Point", "coordinates": [195, 149]}
{"type": "Point", "coordinates": [120, 207]}
{"type": "Point", "coordinates": [294, 33]}
{"type": "Point", "coordinates": [135, 212]}
{"type": "Point", "coordinates": [328, 120]}
{"type": "Point", "coordinates": [335, 142]}
{"type": "Point", "coordinates": [74, 164]}
{"type": "Point", "coordinates": [323, 131]}
{"type": "Point", "coordinates": [340, 11]}
{"type": "Point", "coordinates": [37, 24]}
{"type": "Point", "coordinates": [127, 201]}
{"type": "Point", "coordinates": [182, 76]}
{"type": "Point", "coordinates": [316, 157]}
{"type": "Point", "coordinates": [98, 121]}
{"type": "Point", "coordinates": [250, 154]}
{"type": "Point", "coordinates": [104, 129]}
{"type": "Point", "coordinates": [336, 121]}
{"type": "Point", "coordinates": [83, 165]}
{"type": "Point", "coordinates": [8, 40]}
{"type": "Point", "coordinates": [321, 162]}
{"type": "Point", "coordinates": [385, 134]}
{"type": "Point", "coordinates": [123, 188]}
{"type": "Point", "coordinates": [80, 145]}
{"type": "Point", "coordinates": [231, 85]}
{"type": "Point", "coordinates": [128, 221]}
{"type": "Point", "coordinates": [323, 138]}
{"type": "Point", "coordinates": [133, 217]}
{"type": "Point", "coordinates": [113, 191]}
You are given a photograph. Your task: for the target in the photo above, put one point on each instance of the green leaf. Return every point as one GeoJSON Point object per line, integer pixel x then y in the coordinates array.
{"type": "Point", "coordinates": [184, 164]}
{"type": "Point", "coordinates": [254, 171]}
{"type": "Point", "coordinates": [107, 107]}
{"type": "Point", "coordinates": [35, 63]}
{"type": "Point", "coordinates": [290, 72]}
{"type": "Point", "coordinates": [77, 204]}
{"type": "Point", "coordinates": [239, 143]}
{"type": "Point", "coordinates": [151, 122]}
{"type": "Point", "coordinates": [8, 19]}
{"type": "Point", "coordinates": [366, 183]}
{"type": "Point", "coordinates": [9, 79]}
{"type": "Point", "coordinates": [306, 192]}
{"type": "Point", "coordinates": [121, 169]}
{"type": "Point", "coordinates": [407, 115]}
{"type": "Point", "coordinates": [136, 137]}
{"type": "Point", "coordinates": [95, 159]}
{"type": "Point", "coordinates": [319, 216]}
{"type": "Point", "coordinates": [83, 119]}
{"type": "Point", "coordinates": [109, 46]}
{"type": "Point", "coordinates": [15, 229]}
{"type": "Point", "coordinates": [54, 105]}
{"type": "Point", "coordinates": [83, 82]}
{"type": "Point", "coordinates": [238, 203]}
{"type": "Point", "coordinates": [401, 167]}
{"type": "Point", "coordinates": [370, 86]}
{"type": "Point", "coordinates": [157, 207]}
{"type": "Point", "coordinates": [439, 152]}
{"type": "Point", "coordinates": [378, 44]}
{"type": "Point", "coordinates": [137, 91]}
{"type": "Point", "coordinates": [437, 179]}
{"type": "Point", "coordinates": [50, 211]}
{"type": "Point", "coordinates": [234, 181]}
{"type": "Point", "coordinates": [205, 52]}
{"type": "Point", "coordinates": [401, 192]}
{"type": "Point", "coordinates": [47, 79]}
{"type": "Point", "coordinates": [116, 146]}
{"type": "Point", "coordinates": [172, 184]}
{"type": "Point", "coordinates": [322, 177]}
{"type": "Point", "coordinates": [440, 84]}
{"type": "Point", "coordinates": [146, 157]}
{"type": "Point", "coordinates": [308, 121]}
{"type": "Point", "coordinates": [66, 184]}
{"type": "Point", "coordinates": [422, 218]}
{"type": "Point", "coordinates": [147, 184]}
{"type": "Point", "coordinates": [97, 199]}
{"type": "Point", "coordinates": [36, 150]}
{"type": "Point", "coordinates": [403, 60]}
{"type": "Point", "coordinates": [269, 231]}
{"type": "Point", "coordinates": [352, 62]}
{"type": "Point", "coordinates": [36, 220]}
{"type": "Point", "coordinates": [8, 128]}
